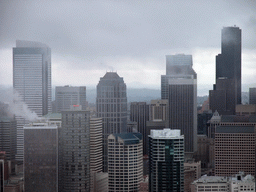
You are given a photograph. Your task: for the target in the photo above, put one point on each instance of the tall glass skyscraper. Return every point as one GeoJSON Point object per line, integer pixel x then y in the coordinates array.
{"type": "Point", "coordinates": [226, 93]}
{"type": "Point", "coordinates": [111, 103]}
{"type": "Point", "coordinates": [32, 81]}
{"type": "Point", "coordinates": [166, 160]}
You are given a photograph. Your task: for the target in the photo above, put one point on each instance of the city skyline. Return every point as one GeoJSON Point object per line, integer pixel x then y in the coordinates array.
{"type": "Point", "coordinates": [86, 45]}
{"type": "Point", "coordinates": [66, 49]}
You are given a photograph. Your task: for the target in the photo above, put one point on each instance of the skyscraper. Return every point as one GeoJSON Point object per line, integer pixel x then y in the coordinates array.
{"type": "Point", "coordinates": [111, 103]}
{"type": "Point", "coordinates": [139, 112]}
{"type": "Point", "coordinates": [74, 150]}
{"type": "Point", "coordinates": [32, 80]}
{"type": "Point", "coordinates": [175, 65]}
{"type": "Point", "coordinates": [32, 75]}
{"type": "Point", "coordinates": [67, 96]}
{"type": "Point", "coordinates": [95, 151]}
{"type": "Point", "coordinates": [40, 157]}
{"type": "Point", "coordinates": [228, 71]}
{"type": "Point", "coordinates": [181, 92]}
{"type": "Point", "coordinates": [166, 160]}
{"type": "Point", "coordinates": [125, 160]}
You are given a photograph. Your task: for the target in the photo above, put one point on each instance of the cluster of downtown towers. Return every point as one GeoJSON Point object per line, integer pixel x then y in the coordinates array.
{"type": "Point", "coordinates": [32, 80]}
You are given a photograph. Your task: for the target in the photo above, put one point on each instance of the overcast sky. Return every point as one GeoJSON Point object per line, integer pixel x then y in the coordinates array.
{"type": "Point", "coordinates": [88, 38]}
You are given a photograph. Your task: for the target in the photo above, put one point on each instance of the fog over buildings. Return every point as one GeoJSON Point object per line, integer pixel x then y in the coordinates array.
{"type": "Point", "coordinates": [129, 37]}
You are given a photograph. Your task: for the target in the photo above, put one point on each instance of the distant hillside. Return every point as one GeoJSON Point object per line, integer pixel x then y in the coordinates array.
{"type": "Point", "coordinates": [132, 95]}
{"type": "Point", "coordinates": [138, 95]}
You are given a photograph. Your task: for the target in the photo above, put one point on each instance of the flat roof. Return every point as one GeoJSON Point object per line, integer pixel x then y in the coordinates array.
{"type": "Point", "coordinates": [129, 138]}
{"type": "Point", "coordinates": [234, 129]}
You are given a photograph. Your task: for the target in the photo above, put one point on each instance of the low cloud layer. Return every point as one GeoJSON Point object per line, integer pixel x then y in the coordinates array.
{"type": "Point", "coordinates": [131, 37]}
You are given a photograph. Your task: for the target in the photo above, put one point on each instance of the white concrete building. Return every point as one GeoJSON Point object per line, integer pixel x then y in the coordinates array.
{"type": "Point", "coordinates": [239, 183]}
{"type": "Point", "coordinates": [96, 162]}
{"type": "Point", "coordinates": [242, 184]}
{"type": "Point", "coordinates": [99, 182]}
{"type": "Point", "coordinates": [125, 162]}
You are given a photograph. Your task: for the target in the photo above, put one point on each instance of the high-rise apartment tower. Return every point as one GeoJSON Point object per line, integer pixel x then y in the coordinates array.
{"type": "Point", "coordinates": [125, 160]}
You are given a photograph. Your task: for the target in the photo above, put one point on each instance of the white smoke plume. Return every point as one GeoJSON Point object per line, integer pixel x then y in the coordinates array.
{"type": "Point", "coordinates": [15, 105]}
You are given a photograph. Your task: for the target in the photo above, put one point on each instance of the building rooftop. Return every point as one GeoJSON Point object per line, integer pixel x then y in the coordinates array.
{"type": "Point", "coordinates": [111, 75]}
{"type": "Point", "coordinates": [218, 179]}
{"type": "Point", "coordinates": [111, 79]}
{"type": "Point", "coordinates": [166, 133]}
{"type": "Point", "coordinates": [53, 116]}
{"type": "Point", "coordinates": [129, 138]}
{"type": "Point", "coordinates": [6, 119]}
{"type": "Point", "coordinates": [40, 125]}
{"type": "Point", "coordinates": [23, 43]}
{"type": "Point", "coordinates": [212, 179]}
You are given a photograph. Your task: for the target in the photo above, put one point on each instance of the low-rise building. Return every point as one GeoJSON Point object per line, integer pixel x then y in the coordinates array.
{"type": "Point", "coordinates": [238, 183]}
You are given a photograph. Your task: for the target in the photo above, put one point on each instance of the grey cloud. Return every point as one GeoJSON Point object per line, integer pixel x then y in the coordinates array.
{"type": "Point", "coordinates": [90, 31]}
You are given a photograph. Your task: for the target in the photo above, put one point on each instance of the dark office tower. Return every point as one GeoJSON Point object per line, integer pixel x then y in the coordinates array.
{"type": "Point", "coordinates": [139, 112]}
{"type": "Point", "coordinates": [228, 63]}
{"type": "Point", "coordinates": [252, 95]}
{"type": "Point", "coordinates": [8, 133]}
{"type": "Point", "coordinates": [228, 66]}
{"type": "Point", "coordinates": [182, 98]}
{"type": "Point", "coordinates": [182, 110]}
{"type": "Point", "coordinates": [111, 103]}
{"type": "Point", "coordinates": [40, 157]}
{"type": "Point", "coordinates": [67, 96]}
{"type": "Point", "coordinates": [32, 80]}
{"type": "Point", "coordinates": [74, 151]}
{"type": "Point", "coordinates": [166, 161]}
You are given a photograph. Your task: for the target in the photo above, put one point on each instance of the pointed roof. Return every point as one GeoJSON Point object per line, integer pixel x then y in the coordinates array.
{"type": "Point", "coordinates": [111, 75]}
